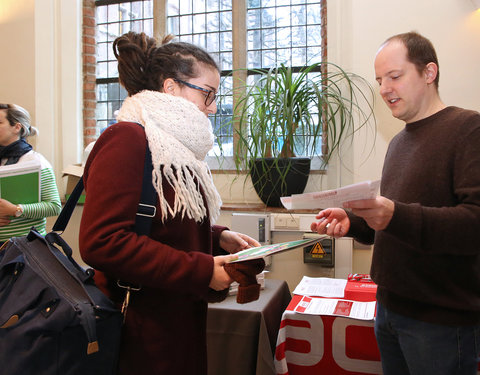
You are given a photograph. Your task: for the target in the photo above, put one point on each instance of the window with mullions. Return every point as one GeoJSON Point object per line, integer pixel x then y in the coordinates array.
{"type": "Point", "coordinates": [273, 32]}
{"type": "Point", "coordinates": [115, 18]}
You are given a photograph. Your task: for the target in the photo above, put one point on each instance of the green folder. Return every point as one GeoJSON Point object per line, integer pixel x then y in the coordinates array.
{"type": "Point", "coordinates": [21, 185]}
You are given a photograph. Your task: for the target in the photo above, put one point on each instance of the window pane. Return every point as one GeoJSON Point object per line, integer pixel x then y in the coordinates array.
{"type": "Point", "coordinates": [313, 14]}
{"type": "Point", "coordinates": [125, 11]}
{"type": "Point", "coordinates": [199, 40]}
{"type": "Point", "coordinates": [137, 10]}
{"type": "Point", "coordinates": [102, 52]}
{"type": "Point", "coordinates": [221, 121]}
{"type": "Point", "coordinates": [282, 30]}
{"type": "Point", "coordinates": [226, 41]}
{"type": "Point", "coordinates": [213, 21]}
{"type": "Point", "coordinates": [173, 8]}
{"type": "Point", "coordinates": [283, 17]}
{"type": "Point", "coordinates": [225, 20]}
{"type": "Point", "coordinates": [299, 16]}
{"type": "Point", "coordinates": [225, 62]}
{"type": "Point", "coordinates": [269, 59]}
{"type": "Point", "coordinates": [213, 5]}
{"type": "Point", "coordinates": [299, 56]}
{"type": "Point", "coordinates": [173, 25]}
{"type": "Point", "coordinates": [199, 6]}
{"type": "Point", "coordinates": [314, 37]}
{"type": "Point", "coordinates": [283, 37]}
{"type": "Point", "coordinates": [254, 39]}
{"type": "Point", "coordinates": [269, 39]}
{"type": "Point", "coordinates": [185, 25]}
{"type": "Point", "coordinates": [102, 93]}
{"type": "Point", "coordinates": [185, 6]}
{"type": "Point", "coordinates": [253, 17]}
{"type": "Point", "coordinates": [112, 31]}
{"type": "Point", "coordinates": [110, 54]}
{"type": "Point", "coordinates": [102, 33]}
{"type": "Point", "coordinates": [102, 70]}
{"type": "Point", "coordinates": [113, 13]}
{"type": "Point", "coordinates": [148, 28]}
{"type": "Point", "coordinates": [254, 59]}
{"type": "Point", "coordinates": [113, 69]}
{"type": "Point", "coordinates": [314, 54]}
{"type": "Point", "coordinates": [101, 111]}
{"type": "Point", "coordinates": [268, 17]}
{"type": "Point", "coordinates": [147, 9]}
{"type": "Point", "coordinates": [299, 37]}
{"type": "Point", "coordinates": [199, 23]}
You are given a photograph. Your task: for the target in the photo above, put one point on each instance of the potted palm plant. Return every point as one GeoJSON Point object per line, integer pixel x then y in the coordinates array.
{"type": "Point", "coordinates": [286, 118]}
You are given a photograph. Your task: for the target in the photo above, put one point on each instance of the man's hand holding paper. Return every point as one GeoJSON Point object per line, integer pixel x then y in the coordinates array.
{"type": "Point", "coordinates": [376, 212]}
{"type": "Point", "coordinates": [332, 198]}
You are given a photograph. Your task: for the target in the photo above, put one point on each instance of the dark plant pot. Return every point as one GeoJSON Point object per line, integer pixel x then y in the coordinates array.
{"type": "Point", "coordinates": [273, 178]}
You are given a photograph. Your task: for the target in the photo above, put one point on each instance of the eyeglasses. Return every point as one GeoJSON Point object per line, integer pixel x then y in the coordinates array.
{"type": "Point", "coordinates": [209, 98]}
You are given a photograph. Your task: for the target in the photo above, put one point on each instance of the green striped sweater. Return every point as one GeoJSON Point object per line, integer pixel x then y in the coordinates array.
{"type": "Point", "coordinates": [35, 214]}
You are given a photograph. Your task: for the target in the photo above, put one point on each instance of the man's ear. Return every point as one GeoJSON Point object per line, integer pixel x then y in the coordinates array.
{"type": "Point", "coordinates": [431, 71]}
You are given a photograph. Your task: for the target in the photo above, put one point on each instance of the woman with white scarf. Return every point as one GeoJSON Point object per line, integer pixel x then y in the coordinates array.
{"type": "Point", "coordinates": [172, 89]}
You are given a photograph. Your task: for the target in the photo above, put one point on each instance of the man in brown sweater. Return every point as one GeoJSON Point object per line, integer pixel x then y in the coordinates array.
{"type": "Point", "coordinates": [425, 224]}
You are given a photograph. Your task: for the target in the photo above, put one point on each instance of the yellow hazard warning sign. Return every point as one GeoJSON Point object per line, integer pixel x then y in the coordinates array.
{"type": "Point", "coordinates": [317, 249]}
{"type": "Point", "coordinates": [321, 252]}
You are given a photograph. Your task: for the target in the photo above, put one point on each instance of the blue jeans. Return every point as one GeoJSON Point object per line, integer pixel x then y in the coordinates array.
{"type": "Point", "coordinates": [409, 346]}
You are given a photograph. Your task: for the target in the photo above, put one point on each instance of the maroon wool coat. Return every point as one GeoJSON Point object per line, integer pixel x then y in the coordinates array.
{"type": "Point", "coordinates": [165, 330]}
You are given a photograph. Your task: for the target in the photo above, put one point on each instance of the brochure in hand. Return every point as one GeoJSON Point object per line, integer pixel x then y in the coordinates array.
{"type": "Point", "coordinates": [20, 183]}
{"type": "Point", "coordinates": [332, 198]}
{"type": "Point", "coordinates": [267, 250]}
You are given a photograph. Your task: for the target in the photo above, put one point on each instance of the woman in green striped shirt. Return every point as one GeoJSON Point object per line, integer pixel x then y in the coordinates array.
{"type": "Point", "coordinates": [16, 218]}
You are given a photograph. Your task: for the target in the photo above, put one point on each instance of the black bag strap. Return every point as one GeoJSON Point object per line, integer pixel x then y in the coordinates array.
{"type": "Point", "coordinates": [67, 210]}
{"type": "Point", "coordinates": [146, 208]}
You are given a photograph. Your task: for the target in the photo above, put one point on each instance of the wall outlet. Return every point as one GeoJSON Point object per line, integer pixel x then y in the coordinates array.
{"type": "Point", "coordinates": [292, 222]}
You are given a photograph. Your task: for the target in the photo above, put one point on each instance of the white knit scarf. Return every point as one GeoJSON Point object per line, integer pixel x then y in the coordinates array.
{"type": "Point", "coordinates": [179, 136]}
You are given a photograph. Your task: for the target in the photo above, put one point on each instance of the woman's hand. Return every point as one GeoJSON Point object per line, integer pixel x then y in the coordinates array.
{"type": "Point", "coordinates": [4, 221]}
{"type": "Point", "coordinates": [234, 242]}
{"type": "Point", "coordinates": [7, 209]}
{"type": "Point", "coordinates": [333, 222]}
{"type": "Point", "coordinates": [220, 279]}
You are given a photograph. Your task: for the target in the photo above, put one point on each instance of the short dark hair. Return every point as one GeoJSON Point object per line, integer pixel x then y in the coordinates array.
{"type": "Point", "coordinates": [420, 51]}
{"type": "Point", "coordinates": [142, 65]}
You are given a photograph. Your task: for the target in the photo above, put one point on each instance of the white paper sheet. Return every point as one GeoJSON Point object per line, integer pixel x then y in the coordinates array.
{"type": "Point", "coordinates": [321, 287]}
{"type": "Point", "coordinates": [332, 198]}
{"type": "Point", "coordinates": [336, 307]}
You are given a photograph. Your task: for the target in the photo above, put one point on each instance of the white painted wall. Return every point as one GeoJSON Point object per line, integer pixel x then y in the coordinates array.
{"type": "Point", "coordinates": [41, 71]}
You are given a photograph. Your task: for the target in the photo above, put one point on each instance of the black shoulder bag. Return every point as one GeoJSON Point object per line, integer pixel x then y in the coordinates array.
{"type": "Point", "coordinates": [53, 318]}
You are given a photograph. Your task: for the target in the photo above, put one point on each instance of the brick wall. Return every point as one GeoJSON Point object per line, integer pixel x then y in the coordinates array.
{"type": "Point", "coordinates": [89, 61]}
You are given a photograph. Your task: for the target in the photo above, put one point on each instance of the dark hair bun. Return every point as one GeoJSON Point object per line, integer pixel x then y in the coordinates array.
{"type": "Point", "coordinates": [133, 52]}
